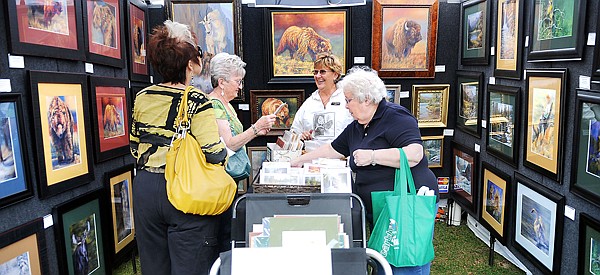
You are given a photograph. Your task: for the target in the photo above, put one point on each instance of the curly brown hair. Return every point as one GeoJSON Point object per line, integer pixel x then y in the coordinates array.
{"type": "Point", "coordinates": [169, 55]}
{"type": "Point", "coordinates": [330, 61]}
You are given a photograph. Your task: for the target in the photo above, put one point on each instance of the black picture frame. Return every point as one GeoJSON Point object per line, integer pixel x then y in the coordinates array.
{"type": "Point", "coordinates": [139, 69]}
{"type": "Point", "coordinates": [112, 121]}
{"type": "Point", "coordinates": [468, 117]}
{"type": "Point", "coordinates": [503, 122]}
{"type": "Point", "coordinates": [76, 220]}
{"type": "Point", "coordinates": [589, 239]}
{"type": "Point", "coordinates": [495, 201]}
{"type": "Point", "coordinates": [119, 226]}
{"type": "Point", "coordinates": [585, 180]}
{"type": "Point", "coordinates": [112, 54]}
{"type": "Point", "coordinates": [509, 48]}
{"type": "Point", "coordinates": [544, 149]}
{"type": "Point", "coordinates": [303, 75]}
{"type": "Point", "coordinates": [26, 242]}
{"type": "Point", "coordinates": [465, 173]}
{"type": "Point", "coordinates": [475, 21]}
{"type": "Point", "coordinates": [49, 91]}
{"type": "Point", "coordinates": [16, 183]}
{"type": "Point", "coordinates": [536, 206]}
{"type": "Point", "coordinates": [596, 62]}
{"type": "Point", "coordinates": [45, 39]}
{"type": "Point", "coordinates": [550, 38]}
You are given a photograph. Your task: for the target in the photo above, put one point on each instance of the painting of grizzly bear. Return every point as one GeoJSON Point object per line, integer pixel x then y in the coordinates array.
{"type": "Point", "coordinates": [302, 41]}
{"type": "Point", "coordinates": [61, 131]}
{"type": "Point", "coordinates": [283, 117]}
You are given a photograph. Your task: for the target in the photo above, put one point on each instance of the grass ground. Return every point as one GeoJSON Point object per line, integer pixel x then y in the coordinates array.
{"type": "Point", "coordinates": [457, 251]}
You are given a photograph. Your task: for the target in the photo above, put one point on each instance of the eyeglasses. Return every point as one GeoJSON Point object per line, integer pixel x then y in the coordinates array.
{"type": "Point", "coordinates": [239, 82]}
{"type": "Point", "coordinates": [348, 100]}
{"type": "Point", "coordinates": [200, 51]}
{"type": "Point", "coordinates": [322, 72]}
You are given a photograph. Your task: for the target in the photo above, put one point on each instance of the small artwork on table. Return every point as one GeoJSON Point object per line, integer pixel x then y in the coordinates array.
{"type": "Point", "coordinates": [434, 150]}
{"type": "Point", "coordinates": [495, 201]}
{"type": "Point", "coordinates": [324, 124]}
{"type": "Point", "coordinates": [265, 102]}
{"type": "Point", "coordinates": [430, 105]}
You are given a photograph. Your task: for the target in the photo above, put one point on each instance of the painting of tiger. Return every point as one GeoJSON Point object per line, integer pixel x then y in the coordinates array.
{"type": "Point", "coordinates": [61, 130]}
{"type": "Point", "coordinates": [283, 117]}
{"type": "Point", "coordinates": [302, 41]}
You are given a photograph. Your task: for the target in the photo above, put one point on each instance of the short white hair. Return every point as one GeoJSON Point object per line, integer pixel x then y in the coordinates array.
{"type": "Point", "coordinates": [180, 31]}
{"type": "Point", "coordinates": [224, 65]}
{"type": "Point", "coordinates": [363, 84]}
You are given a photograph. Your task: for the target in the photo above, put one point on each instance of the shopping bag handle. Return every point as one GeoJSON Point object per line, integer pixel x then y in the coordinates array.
{"type": "Point", "coordinates": [404, 178]}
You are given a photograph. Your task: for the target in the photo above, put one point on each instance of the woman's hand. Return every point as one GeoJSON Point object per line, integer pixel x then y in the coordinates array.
{"type": "Point", "coordinates": [363, 157]}
{"type": "Point", "coordinates": [307, 135]}
{"type": "Point", "coordinates": [264, 123]}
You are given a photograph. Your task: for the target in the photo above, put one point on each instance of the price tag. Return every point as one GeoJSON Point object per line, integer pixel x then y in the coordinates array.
{"type": "Point", "coordinates": [493, 51]}
{"type": "Point", "coordinates": [440, 68]}
{"type": "Point", "coordinates": [244, 107]}
{"type": "Point", "coordinates": [5, 86]}
{"type": "Point", "coordinates": [570, 212]}
{"type": "Point", "coordinates": [477, 148]}
{"type": "Point", "coordinates": [16, 62]}
{"type": "Point", "coordinates": [48, 221]}
{"type": "Point", "coordinates": [448, 132]}
{"type": "Point", "coordinates": [89, 68]}
{"type": "Point", "coordinates": [404, 94]}
{"type": "Point", "coordinates": [492, 80]}
{"type": "Point", "coordinates": [585, 82]}
{"type": "Point", "coordinates": [591, 39]}
{"type": "Point", "coordinates": [359, 60]}
{"type": "Point", "coordinates": [151, 79]}
{"type": "Point", "coordinates": [483, 123]}
{"type": "Point", "coordinates": [526, 41]}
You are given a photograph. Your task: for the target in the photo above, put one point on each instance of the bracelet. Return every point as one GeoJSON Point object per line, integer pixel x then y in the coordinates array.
{"type": "Point", "coordinates": [373, 158]}
{"type": "Point", "coordinates": [254, 129]}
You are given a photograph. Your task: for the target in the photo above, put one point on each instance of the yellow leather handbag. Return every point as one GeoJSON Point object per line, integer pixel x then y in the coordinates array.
{"type": "Point", "coordinates": [195, 186]}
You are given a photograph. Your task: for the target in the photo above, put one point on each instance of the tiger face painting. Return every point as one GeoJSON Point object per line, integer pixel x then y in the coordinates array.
{"type": "Point", "coordinates": [60, 122]}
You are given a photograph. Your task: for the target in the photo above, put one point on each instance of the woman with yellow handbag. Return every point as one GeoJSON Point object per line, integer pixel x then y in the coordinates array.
{"type": "Point", "coordinates": [169, 240]}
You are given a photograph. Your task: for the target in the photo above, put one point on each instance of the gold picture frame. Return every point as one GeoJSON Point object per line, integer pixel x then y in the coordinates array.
{"type": "Point", "coordinates": [433, 146]}
{"type": "Point", "coordinates": [430, 105]}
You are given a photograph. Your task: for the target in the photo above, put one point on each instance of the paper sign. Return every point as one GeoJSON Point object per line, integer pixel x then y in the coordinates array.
{"type": "Point", "coordinates": [404, 94]}
{"type": "Point", "coordinates": [591, 39]}
{"type": "Point", "coordinates": [89, 68]}
{"type": "Point", "coordinates": [483, 123]}
{"type": "Point", "coordinates": [5, 85]}
{"type": "Point", "coordinates": [244, 107]}
{"type": "Point", "coordinates": [48, 221]}
{"type": "Point", "coordinates": [493, 51]}
{"type": "Point", "coordinates": [448, 132]}
{"type": "Point", "coordinates": [570, 212]}
{"type": "Point", "coordinates": [440, 68]}
{"type": "Point", "coordinates": [477, 148]}
{"type": "Point", "coordinates": [492, 80]}
{"type": "Point", "coordinates": [16, 62]}
{"type": "Point", "coordinates": [585, 82]}
{"type": "Point", "coordinates": [359, 60]}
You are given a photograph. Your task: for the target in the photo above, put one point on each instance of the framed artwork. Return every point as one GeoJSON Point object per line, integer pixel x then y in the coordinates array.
{"type": "Point", "coordinates": [103, 32]}
{"type": "Point", "coordinates": [556, 30]}
{"type": "Point", "coordinates": [111, 103]}
{"type": "Point", "coordinates": [46, 28]}
{"type": "Point", "coordinates": [495, 201]}
{"type": "Point", "coordinates": [503, 118]}
{"type": "Point", "coordinates": [265, 102]}
{"type": "Point", "coordinates": [79, 235]}
{"type": "Point", "coordinates": [119, 184]}
{"type": "Point", "coordinates": [475, 16]}
{"type": "Point", "coordinates": [543, 135]}
{"type": "Point", "coordinates": [464, 186]}
{"type": "Point", "coordinates": [139, 69]}
{"type": "Point", "coordinates": [585, 168]}
{"type": "Point", "coordinates": [509, 39]}
{"type": "Point", "coordinates": [589, 245]}
{"type": "Point", "coordinates": [430, 104]}
{"type": "Point", "coordinates": [539, 215]}
{"type": "Point", "coordinates": [393, 93]}
{"type": "Point", "coordinates": [289, 59]}
{"type": "Point", "coordinates": [242, 186]}
{"type": "Point", "coordinates": [257, 155]}
{"type": "Point", "coordinates": [469, 102]}
{"type": "Point", "coordinates": [60, 106]}
{"type": "Point", "coordinates": [434, 150]}
{"type": "Point", "coordinates": [596, 64]}
{"type": "Point", "coordinates": [404, 38]}
{"type": "Point", "coordinates": [16, 176]}
{"type": "Point", "coordinates": [23, 249]}
{"type": "Point", "coordinates": [216, 24]}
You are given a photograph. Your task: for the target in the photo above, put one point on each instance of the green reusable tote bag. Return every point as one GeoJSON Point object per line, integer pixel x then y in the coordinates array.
{"type": "Point", "coordinates": [404, 229]}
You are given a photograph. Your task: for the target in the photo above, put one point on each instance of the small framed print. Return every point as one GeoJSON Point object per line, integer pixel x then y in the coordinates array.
{"type": "Point", "coordinates": [495, 201]}
{"type": "Point", "coordinates": [465, 183]}
{"type": "Point", "coordinates": [257, 155]}
{"type": "Point", "coordinates": [139, 69]}
{"type": "Point", "coordinates": [242, 186]}
{"type": "Point", "coordinates": [475, 36]}
{"type": "Point", "coordinates": [503, 118]}
{"type": "Point", "coordinates": [119, 184]}
{"type": "Point", "coordinates": [103, 32]}
{"type": "Point", "coordinates": [393, 93]}
{"type": "Point", "coordinates": [265, 102]}
{"type": "Point", "coordinates": [15, 175]}
{"type": "Point", "coordinates": [434, 150]}
{"type": "Point", "coordinates": [509, 48]}
{"type": "Point", "coordinates": [23, 249]}
{"type": "Point", "coordinates": [111, 103]}
{"type": "Point", "coordinates": [546, 93]}
{"type": "Point", "coordinates": [585, 168]}
{"type": "Point", "coordinates": [469, 102]}
{"type": "Point", "coordinates": [60, 110]}
{"type": "Point", "coordinates": [79, 235]}
{"type": "Point", "coordinates": [589, 245]}
{"type": "Point", "coordinates": [539, 216]}
{"type": "Point", "coordinates": [46, 28]}
{"type": "Point", "coordinates": [430, 104]}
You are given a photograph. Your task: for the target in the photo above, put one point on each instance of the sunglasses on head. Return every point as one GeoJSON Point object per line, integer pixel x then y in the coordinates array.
{"type": "Point", "coordinates": [200, 51]}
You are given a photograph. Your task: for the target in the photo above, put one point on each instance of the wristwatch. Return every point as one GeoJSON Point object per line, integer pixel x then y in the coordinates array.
{"type": "Point", "coordinates": [373, 158]}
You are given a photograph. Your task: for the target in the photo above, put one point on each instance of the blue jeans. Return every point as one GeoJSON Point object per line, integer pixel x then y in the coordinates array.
{"type": "Point", "coordinates": [412, 270]}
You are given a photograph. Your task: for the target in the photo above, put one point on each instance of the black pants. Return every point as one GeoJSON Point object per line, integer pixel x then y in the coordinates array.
{"type": "Point", "coordinates": [170, 241]}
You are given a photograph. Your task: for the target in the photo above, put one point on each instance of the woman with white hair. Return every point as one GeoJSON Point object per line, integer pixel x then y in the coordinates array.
{"type": "Point", "coordinates": [372, 141]}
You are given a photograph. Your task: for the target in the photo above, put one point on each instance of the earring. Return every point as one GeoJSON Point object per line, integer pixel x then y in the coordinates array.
{"type": "Point", "coordinates": [222, 91]}
{"type": "Point", "coordinates": [191, 80]}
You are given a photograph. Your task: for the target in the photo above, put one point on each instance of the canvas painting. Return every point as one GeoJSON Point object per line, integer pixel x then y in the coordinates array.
{"type": "Point", "coordinates": [298, 37]}
{"type": "Point", "coordinates": [494, 201]}
{"type": "Point", "coordinates": [285, 117]}
{"type": "Point", "coordinates": [469, 105]}
{"type": "Point", "coordinates": [84, 244]}
{"type": "Point", "coordinates": [63, 131]}
{"type": "Point", "coordinates": [542, 131]}
{"type": "Point", "coordinates": [535, 220]}
{"type": "Point", "coordinates": [409, 54]}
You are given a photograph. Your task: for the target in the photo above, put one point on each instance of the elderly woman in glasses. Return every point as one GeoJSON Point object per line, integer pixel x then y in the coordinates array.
{"type": "Point", "coordinates": [170, 241]}
{"type": "Point", "coordinates": [323, 116]}
{"type": "Point", "coordinates": [372, 141]}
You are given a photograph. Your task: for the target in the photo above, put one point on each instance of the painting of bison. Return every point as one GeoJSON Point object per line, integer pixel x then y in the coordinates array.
{"type": "Point", "coordinates": [297, 38]}
{"type": "Point", "coordinates": [404, 43]}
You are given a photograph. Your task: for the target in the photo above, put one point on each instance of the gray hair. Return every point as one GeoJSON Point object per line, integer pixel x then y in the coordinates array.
{"type": "Point", "coordinates": [363, 84]}
{"type": "Point", "coordinates": [224, 65]}
{"type": "Point", "coordinates": [180, 31]}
